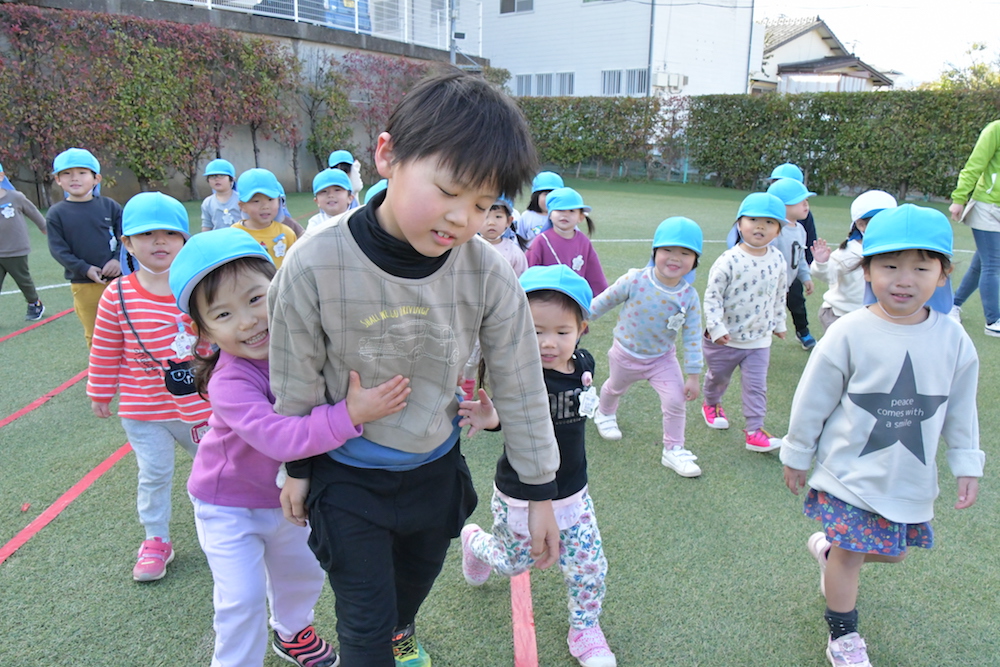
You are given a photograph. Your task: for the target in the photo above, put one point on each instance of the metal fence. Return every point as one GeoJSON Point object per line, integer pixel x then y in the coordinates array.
{"type": "Point", "coordinates": [422, 22]}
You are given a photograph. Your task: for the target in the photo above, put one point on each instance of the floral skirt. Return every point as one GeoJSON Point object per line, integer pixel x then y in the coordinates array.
{"type": "Point", "coordinates": [855, 529]}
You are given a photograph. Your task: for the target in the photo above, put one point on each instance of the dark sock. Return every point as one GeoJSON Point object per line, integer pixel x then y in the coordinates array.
{"type": "Point", "coordinates": [841, 623]}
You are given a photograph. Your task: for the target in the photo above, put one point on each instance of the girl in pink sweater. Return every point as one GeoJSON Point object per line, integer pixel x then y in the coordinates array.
{"type": "Point", "coordinates": [221, 279]}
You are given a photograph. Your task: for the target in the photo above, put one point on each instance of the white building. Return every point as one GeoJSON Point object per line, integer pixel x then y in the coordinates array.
{"type": "Point", "coordinates": [614, 47]}
{"type": "Point", "coordinates": [804, 56]}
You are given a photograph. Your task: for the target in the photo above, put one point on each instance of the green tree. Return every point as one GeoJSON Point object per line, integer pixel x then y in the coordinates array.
{"type": "Point", "coordinates": [981, 72]}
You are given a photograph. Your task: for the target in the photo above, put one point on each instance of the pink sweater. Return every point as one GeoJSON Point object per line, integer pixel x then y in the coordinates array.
{"type": "Point", "coordinates": [238, 459]}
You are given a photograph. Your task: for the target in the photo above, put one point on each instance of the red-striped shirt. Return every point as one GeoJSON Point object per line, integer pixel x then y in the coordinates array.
{"type": "Point", "coordinates": [119, 364]}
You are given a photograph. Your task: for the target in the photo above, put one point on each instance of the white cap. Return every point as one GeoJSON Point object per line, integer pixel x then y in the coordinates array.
{"type": "Point", "coordinates": [869, 203]}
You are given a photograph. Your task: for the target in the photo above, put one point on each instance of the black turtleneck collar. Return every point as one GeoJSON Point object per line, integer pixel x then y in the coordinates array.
{"type": "Point", "coordinates": [390, 254]}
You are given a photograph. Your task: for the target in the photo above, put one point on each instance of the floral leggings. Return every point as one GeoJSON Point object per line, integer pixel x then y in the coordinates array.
{"type": "Point", "coordinates": [581, 558]}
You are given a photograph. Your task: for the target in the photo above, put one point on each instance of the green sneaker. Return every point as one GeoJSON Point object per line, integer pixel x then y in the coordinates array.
{"type": "Point", "coordinates": [407, 650]}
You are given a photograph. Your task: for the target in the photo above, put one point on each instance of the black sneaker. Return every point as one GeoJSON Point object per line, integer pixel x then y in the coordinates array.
{"type": "Point", "coordinates": [806, 340]}
{"type": "Point", "coordinates": [35, 311]}
{"type": "Point", "coordinates": [407, 651]}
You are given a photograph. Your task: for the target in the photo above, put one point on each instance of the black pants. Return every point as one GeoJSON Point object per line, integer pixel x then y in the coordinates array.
{"type": "Point", "coordinates": [796, 302]}
{"type": "Point", "coordinates": [382, 537]}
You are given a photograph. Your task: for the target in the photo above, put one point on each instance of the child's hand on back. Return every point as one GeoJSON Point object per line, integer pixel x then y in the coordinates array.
{"type": "Point", "coordinates": [968, 490]}
{"type": "Point", "coordinates": [821, 251]}
{"type": "Point", "coordinates": [478, 415]}
{"type": "Point", "coordinates": [367, 405]}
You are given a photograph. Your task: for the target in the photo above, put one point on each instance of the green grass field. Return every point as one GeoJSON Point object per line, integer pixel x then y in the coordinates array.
{"type": "Point", "coordinates": [708, 571]}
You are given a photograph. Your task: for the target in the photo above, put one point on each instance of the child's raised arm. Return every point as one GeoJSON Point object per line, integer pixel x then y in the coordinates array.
{"type": "Point", "coordinates": [367, 405]}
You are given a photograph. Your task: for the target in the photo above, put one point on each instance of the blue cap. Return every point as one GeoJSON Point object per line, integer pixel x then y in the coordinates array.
{"type": "Point", "coordinates": [678, 231]}
{"type": "Point", "coordinates": [203, 254]}
{"type": "Point", "coordinates": [908, 227]}
{"type": "Point", "coordinates": [375, 189]}
{"type": "Point", "coordinates": [560, 278]}
{"type": "Point", "coordinates": [150, 211]}
{"type": "Point", "coordinates": [506, 203]}
{"type": "Point", "coordinates": [76, 157]}
{"type": "Point", "coordinates": [329, 177]}
{"type": "Point", "coordinates": [790, 191]}
{"type": "Point", "coordinates": [340, 157]}
{"type": "Point", "coordinates": [788, 170]}
{"type": "Point", "coordinates": [546, 180]}
{"type": "Point", "coordinates": [565, 199]}
{"type": "Point", "coordinates": [762, 205]}
{"type": "Point", "coordinates": [220, 168]}
{"type": "Point", "coordinates": [253, 181]}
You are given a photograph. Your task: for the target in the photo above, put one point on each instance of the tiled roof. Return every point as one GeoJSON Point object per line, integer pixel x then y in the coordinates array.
{"type": "Point", "coordinates": [784, 29]}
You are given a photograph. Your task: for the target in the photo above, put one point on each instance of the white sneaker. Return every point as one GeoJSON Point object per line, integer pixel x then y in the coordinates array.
{"type": "Point", "coordinates": [607, 426]}
{"type": "Point", "coordinates": [956, 314]}
{"type": "Point", "coordinates": [993, 329]}
{"type": "Point", "coordinates": [681, 461]}
{"type": "Point", "coordinates": [819, 546]}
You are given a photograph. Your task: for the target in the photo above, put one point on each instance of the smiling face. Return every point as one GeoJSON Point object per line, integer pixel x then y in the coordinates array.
{"type": "Point", "coordinates": [78, 183]}
{"type": "Point", "coordinates": [903, 282]}
{"type": "Point", "coordinates": [497, 221]}
{"type": "Point", "coordinates": [672, 263]}
{"type": "Point", "coordinates": [426, 206]}
{"type": "Point", "coordinates": [558, 329]}
{"type": "Point", "coordinates": [566, 222]}
{"type": "Point", "coordinates": [333, 200]}
{"type": "Point", "coordinates": [260, 211]}
{"type": "Point", "coordinates": [236, 320]}
{"type": "Point", "coordinates": [757, 233]}
{"type": "Point", "coordinates": [155, 250]}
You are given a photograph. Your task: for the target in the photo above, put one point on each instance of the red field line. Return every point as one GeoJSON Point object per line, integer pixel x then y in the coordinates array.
{"type": "Point", "coordinates": [36, 324]}
{"type": "Point", "coordinates": [45, 398]}
{"type": "Point", "coordinates": [46, 517]}
{"type": "Point", "coordinates": [523, 617]}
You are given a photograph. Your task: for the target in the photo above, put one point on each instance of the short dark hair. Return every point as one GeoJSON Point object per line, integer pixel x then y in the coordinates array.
{"type": "Point", "coordinates": [471, 127]}
{"type": "Point", "coordinates": [561, 299]}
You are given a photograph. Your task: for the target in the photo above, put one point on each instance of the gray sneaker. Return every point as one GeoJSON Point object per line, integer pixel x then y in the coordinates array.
{"type": "Point", "coordinates": [36, 310]}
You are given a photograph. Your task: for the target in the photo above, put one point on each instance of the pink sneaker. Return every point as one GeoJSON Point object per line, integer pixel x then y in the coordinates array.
{"type": "Point", "coordinates": [590, 648]}
{"type": "Point", "coordinates": [848, 651]}
{"type": "Point", "coordinates": [152, 561]}
{"type": "Point", "coordinates": [476, 571]}
{"type": "Point", "coordinates": [714, 416]}
{"type": "Point", "coordinates": [761, 441]}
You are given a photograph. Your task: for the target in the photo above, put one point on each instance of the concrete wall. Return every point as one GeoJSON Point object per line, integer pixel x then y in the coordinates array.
{"type": "Point", "coordinates": [308, 42]}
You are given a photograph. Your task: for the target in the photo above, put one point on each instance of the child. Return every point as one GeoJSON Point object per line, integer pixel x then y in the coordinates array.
{"type": "Point", "coordinates": [792, 242]}
{"type": "Point", "coordinates": [332, 193]}
{"type": "Point", "coordinates": [533, 220]}
{"type": "Point", "coordinates": [83, 233]}
{"type": "Point", "coordinates": [374, 190]}
{"type": "Point", "coordinates": [142, 350]}
{"type": "Point", "coordinates": [841, 269]}
{"type": "Point", "coordinates": [221, 279]}
{"type": "Point", "coordinates": [880, 390]}
{"type": "Point", "coordinates": [560, 302]}
{"type": "Point", "coordinates": [259, 202]}
{"type": "Point", "coordinates": [498, 221]}
{"type": "Point", "coordinates": [403, 286]}
{"type": "Point", "coordinates": [15, 245]}
{"type": "Point", "coordinates": [345, 162]}
{"type": "Point", "coordinates": [659, 305]}
{"type": "Point", "coordinates": [564, 243]}
{"type": "Point", "coordinates": [221, 208]}
{"type": "Point", "coordinates": [744, 305]}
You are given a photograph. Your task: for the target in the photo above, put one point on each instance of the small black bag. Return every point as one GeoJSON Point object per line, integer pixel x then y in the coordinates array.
{"type": "Point", "coordinates": [179, 376]}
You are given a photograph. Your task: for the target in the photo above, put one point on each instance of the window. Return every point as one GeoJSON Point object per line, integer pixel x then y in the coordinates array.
{"type": "Point", "coordinates": [543, 85]}
{"type": "Point", "coordinates": [611, 82]}
{"type": "Point", "coordinates": [565, 83]}
{"type": "Point", "coordinates": [523, 85]}
{"type": "Point", "coordinates": [512, 6]}
{"type": "Point", "coordinates": [636, 82]}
